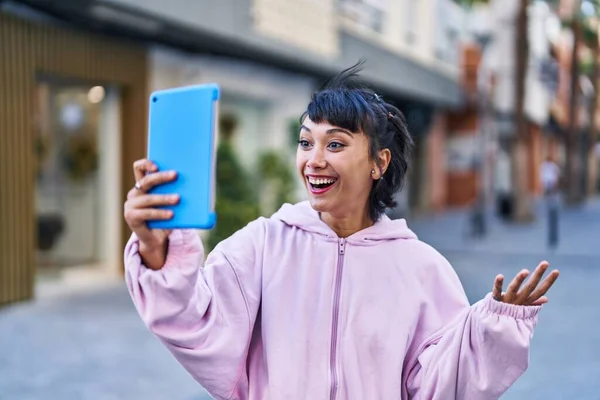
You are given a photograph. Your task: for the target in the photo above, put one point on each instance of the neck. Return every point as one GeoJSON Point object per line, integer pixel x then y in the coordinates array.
{"type": "Point", "coordinates": [347, 224]}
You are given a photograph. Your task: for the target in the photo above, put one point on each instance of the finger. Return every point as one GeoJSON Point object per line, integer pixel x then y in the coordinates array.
{"type": "Point", "coordinates": [542, 300]}
{"type": "Point", "coordinates": [497, 290]}
{"type": "Point", "coordinates": [511, 292]}
{"type": "Point", "coordinates": [544, 287]}
{"type": "Point", "coordinates": [152, 200]}
{"type": "Point", "coordinates": [533, 281]}
{"type": "Point", "coordinates": [137, 217]}
{"type": "Point", "coordinates": [154, 179]}
{"type": "Point", "coordinates": [133, 192]}
{"type": "Point", "coordinates": [142, 167]}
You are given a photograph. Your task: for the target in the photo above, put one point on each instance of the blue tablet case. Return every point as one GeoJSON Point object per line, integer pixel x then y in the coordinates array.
{"type": "Point", "coordinates": [181, 137]}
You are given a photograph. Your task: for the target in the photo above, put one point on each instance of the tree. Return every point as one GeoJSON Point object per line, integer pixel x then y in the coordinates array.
{"type": "Point", "coordinates": [592, 68]}
{"type": "Point", "coordinates": [518, 149]}
{"type": "Point", "coordinates": [578, 23]}
{"type": "Point", "coordinates": [236, 202]}
{"type": "Point", "coordinates": [584, 27]}
{"type": "Point", "coordinates": [592, 132]}
{"type": "Point", "coordinates": [522, 210]}
{"type": "Point", "coordinates": [572, 164]}
{"type": "Point", "coordinates": [277, 181]}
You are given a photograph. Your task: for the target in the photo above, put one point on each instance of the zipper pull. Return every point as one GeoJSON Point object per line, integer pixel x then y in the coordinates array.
{"type": "Point", "coordinates": [342, 246]}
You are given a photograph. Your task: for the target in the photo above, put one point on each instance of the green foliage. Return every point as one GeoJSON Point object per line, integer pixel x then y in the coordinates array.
{"type": "Point", "coordinates": [294, 131]}
{"type": "Point", "coordinates": [236, 202]}
{"type": "Point", "coordinates": [80, 156]}
{"type": "Point", "coordinates": [276, 173]}
{"type": "Point", "coordinates": [470, 3]}
{"type": "Point", "coordinates": [552, 3]}
{"type": "Point", "coordinates": [589, 35]}
{"type": "Point", "coordinates": [586, 67]}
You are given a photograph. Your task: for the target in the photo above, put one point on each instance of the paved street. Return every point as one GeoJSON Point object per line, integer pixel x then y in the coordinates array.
{"type": "Point", "coordinates": [86, 347]}
{"type": "Point", "coordinates": [565, 353]}
{"type": "Point", "coordinates": [93, 346]}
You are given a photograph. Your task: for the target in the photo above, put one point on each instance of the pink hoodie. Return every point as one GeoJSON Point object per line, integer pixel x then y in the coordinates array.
{"type": "Point", "coordinates": [284, 309]}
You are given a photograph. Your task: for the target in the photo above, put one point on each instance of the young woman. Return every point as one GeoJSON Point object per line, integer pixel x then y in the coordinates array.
{"type": "Point", "coordinates": [328, 298]}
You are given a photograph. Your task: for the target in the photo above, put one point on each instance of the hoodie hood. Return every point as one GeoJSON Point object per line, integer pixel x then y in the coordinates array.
{"type": "Point", "coordinates": [303, 216]}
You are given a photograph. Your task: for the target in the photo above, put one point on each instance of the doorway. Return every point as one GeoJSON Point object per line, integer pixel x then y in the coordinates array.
{"type": "Point", "coordinates": [77, 149]}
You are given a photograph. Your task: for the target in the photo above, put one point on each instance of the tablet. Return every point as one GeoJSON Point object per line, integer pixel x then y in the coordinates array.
{"type": "Point", "coordinates": [182, 137]}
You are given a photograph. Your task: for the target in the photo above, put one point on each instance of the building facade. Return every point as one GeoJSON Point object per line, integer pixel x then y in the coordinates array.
{"type": "Point", "coordinates": [93, 64]}
{"type": "Point", "coordinates": [54, 169]}
{"type": "Point", "coordinates": [482, 132]}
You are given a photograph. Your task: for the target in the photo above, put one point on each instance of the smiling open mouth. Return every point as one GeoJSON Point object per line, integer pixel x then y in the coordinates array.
{"type": "Point", "coordinates": [320, 184]}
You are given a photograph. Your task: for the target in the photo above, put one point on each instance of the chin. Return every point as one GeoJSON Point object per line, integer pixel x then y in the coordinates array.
{"type": "Point", "coordinates": [322, 205]}
{"type": "Point", "coordinates": [318, 204]}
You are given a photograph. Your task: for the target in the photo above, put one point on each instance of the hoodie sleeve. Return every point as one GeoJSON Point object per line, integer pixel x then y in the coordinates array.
{"type": "Point", "coordinates": [467, 352]}
{"type": "Point", "coordinates": [203, 315]}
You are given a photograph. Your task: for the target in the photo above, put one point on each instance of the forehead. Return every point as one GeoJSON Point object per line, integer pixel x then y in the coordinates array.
{"type": "Point", "coordinates": [321, 127]}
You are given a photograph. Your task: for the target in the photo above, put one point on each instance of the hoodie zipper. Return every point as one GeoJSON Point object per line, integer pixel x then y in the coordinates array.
{"type": "Point", "coordinates": [334, 322]}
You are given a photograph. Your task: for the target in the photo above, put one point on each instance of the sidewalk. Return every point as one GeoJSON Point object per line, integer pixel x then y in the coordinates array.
{"type": "Point", "coordinates": [579, 233]}
{"type": "Point", "coordinates": [88, 345]}
{"type": "Point", "coordinates": [91, 344]}
{"type": "Point", "coordinates": [564, 361]}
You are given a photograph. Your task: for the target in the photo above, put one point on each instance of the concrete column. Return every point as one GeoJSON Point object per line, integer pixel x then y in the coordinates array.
{"type": "Point", "coordinates": [436, 168]}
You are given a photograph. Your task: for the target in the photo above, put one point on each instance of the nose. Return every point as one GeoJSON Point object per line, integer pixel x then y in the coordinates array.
{"type": "Point", "coordinates": [316, 160]}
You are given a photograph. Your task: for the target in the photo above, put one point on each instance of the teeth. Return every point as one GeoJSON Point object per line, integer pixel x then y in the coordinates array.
{"type": "Point", "coordinates": [320, 181]}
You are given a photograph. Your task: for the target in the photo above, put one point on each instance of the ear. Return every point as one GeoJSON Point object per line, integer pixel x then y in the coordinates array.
{"type": "Point", "coordinates": [384, 156]}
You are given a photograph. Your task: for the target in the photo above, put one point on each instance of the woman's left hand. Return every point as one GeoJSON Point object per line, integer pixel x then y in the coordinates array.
{"type": "Point", "coordinates": [532, 294]}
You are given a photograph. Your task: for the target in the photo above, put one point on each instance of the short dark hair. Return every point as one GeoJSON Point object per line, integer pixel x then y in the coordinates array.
{"type": "Point", "coordinates": [346, 102]}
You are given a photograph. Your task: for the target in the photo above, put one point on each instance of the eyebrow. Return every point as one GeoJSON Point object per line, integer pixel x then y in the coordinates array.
{"type": "Point", "coordinates": [332, 130]}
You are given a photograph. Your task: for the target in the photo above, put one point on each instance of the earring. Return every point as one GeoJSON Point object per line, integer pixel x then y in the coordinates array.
{"type": "Point", "coordinates": [372, 172]}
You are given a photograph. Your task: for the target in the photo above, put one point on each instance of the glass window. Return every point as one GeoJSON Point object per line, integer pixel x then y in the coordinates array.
{"type": "Point", "coordinates": [369, 13]}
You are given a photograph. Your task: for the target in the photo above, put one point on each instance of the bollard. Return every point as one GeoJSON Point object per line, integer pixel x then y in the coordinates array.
{"type": "Point", "coordinates": [477, 220]}
{"type": "Point", "coordinates": [553, 228]}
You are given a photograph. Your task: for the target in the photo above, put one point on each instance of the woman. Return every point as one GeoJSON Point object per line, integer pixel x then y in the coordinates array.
{"type": "Point", "coordinates": [329, 298]}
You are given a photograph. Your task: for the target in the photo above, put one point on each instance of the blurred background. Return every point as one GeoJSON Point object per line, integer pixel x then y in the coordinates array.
{"type": "Point", "coordinates": [501, 97]}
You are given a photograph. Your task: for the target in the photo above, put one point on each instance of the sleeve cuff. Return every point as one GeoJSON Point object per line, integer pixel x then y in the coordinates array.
{"type": "Point", "coordinates": [182, 244]}
{"type": "Point", "coordinates": [519, 312]}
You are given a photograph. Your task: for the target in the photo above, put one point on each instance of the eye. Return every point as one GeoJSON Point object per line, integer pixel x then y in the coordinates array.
{"type": "Point", "coordinates": [303, 143]}
{"type": "Point", "coordinates": [336, 145]}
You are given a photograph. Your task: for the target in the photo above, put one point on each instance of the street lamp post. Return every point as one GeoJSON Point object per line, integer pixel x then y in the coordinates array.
{"type": "Point", "coordinates": [478, 217]}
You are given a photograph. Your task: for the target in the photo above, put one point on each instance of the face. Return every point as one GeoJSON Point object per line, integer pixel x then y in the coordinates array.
{"type": "Point", "coordinates": [336, 168]}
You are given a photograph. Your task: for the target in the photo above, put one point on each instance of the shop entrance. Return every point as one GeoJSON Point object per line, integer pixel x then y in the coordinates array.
{"type": "Point", "coordinates": [77, 153]}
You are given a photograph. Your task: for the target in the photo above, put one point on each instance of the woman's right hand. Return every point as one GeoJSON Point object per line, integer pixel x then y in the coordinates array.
{"type": "Point", "coordinates": [141, 207]}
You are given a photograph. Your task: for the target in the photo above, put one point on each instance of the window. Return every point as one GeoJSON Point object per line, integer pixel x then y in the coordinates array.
{"type": "Point", "coordinates": [369, 13]}
{"type": "Point", "coordinates": [411, 17]}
